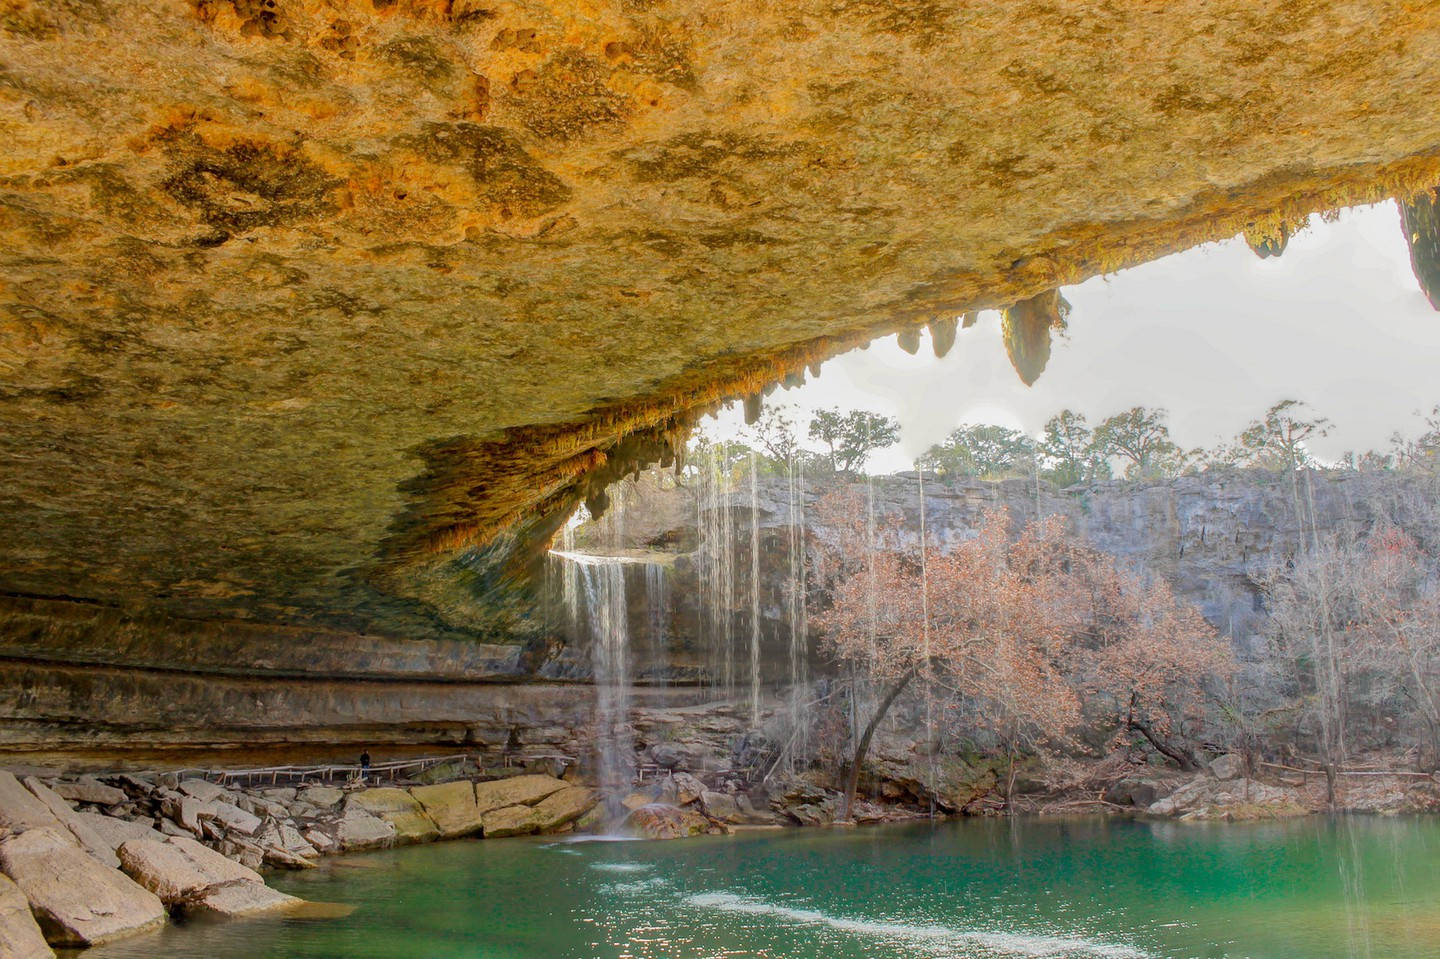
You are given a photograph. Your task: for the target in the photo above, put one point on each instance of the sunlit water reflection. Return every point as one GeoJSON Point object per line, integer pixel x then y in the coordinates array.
{"type": "Point", "coordinates": [1309, 889]}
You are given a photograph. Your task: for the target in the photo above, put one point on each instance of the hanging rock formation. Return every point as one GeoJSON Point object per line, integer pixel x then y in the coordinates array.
{"type": "Point", "coordinates": [1026, 328]}
{"type": "Point", "coordinates": [1420, 218]}
{"type": "Point", "coordinates": [304, 305]}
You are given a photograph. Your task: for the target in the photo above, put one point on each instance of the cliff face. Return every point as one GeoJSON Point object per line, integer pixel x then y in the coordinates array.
{"type": "Point", "coordinates": [87, 677]}
{"type": "Point", "coordinates": [301, 300]}
{"type": "Point", "coordinates": [1214, 537]}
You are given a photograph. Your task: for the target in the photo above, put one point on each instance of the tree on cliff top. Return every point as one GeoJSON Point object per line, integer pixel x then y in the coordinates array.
{"type": "Point", "coordinates": [1067, 450]}
{"type": "Point", "coordinates": [1141, 438]}
{"type": "Point", "coordinates": [983, 450]}
{"type": "Point", "coordinates": [1277, 440]}
{"type": "Point", "coordinates": [852, 437]}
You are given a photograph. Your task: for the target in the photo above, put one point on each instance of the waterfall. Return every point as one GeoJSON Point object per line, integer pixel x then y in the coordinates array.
{"type": "Point", "coordinates": [606, 618]}
{"type": "Point", "coordinates": [754, 595]}
{"type": "Point", "coordinates": [715, 571]}
{"type": "Point", "coordinates": [799, 660]}
{"type": "Point", "coordinates": [657, 603]}
{"type": "Point", "coordinates": [925, 637]}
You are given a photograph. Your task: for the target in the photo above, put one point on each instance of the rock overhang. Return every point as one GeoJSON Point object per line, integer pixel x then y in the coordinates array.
{"type": "Point", "coordinates": [302, 304]}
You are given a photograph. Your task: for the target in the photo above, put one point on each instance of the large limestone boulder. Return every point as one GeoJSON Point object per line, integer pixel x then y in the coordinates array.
{"type": "Point", "coordinates": [201, 789]}
{"type": "Point", "coordinates": [113, 831]}
{"type": "Point", "coordinates": [451, 806]}
{"type": "Point", "coordinates": [562, 808]}
{"type": "Point", "coordinates": [1229, 766]}
{"type": "Point", "coordinates": [515, 791]}
{"type": "Point", "coordinates": [399, 809]}
{"type": "Point", "coordinates": [722, 806]}
{"type": "Point", "coordinates": [1204, 798]}
{"type": "Point", "coordinates": [358, 830]}
{"type": "Point", "coordinates": [243, 899]}
{"type": "Point", "coordinates": [555, 811]}
{"type": "Point", "coordinates": [687, 788]}
{"type": "Point", "coordinates": [76, 900]}
{"type": "Point", "coordinates": [20, 937]}
{"type": "Point", "coordinates": [321, 797]}
{"type": "Point", "coordinates": [88, 838]}
{"type": "Point", "coordinates": [192, 877]}
{"type": "Point", "coordinates": [91, 790]}
{"type": "Point", "coordinates": [659, 821]}
{"type": "Point", "coordinates": [230, 817]}
{"type": "Point", "coordinates": [163, 869]}
{"type": "Point", "coordinates": [508, 821]}
{"type": "Point", "coordinates": [19, 808]}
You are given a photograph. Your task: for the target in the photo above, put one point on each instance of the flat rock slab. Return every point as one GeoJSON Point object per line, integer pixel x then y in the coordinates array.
{"type": "Point", "coordinates": [562, 808]}
{"type": "Point", "coordinates": [358, 830]}
{"type": "Point", "coordinates": [163, 869]}
{"type": "Point", "coordinates": [515, 791]}
{"type": "Point", "coordinates": [181, 871]}
{"type": "Point", "coordinates": [94, 844]}
{"type": "Point", "coordinates": [231, 817]}
{"type": "Point", "coordinates": [451, 806]}
{"type": "Point", "coordinates": [558, 809]}
{"type": "Point", "coordinates": [321, 797]}
{"type": "Point", "coordinates": [76, 900]}
{"type": "Point", "coordinates": [399, 809]}
{"type": "Point", "coordinates": [508, 821]}
{"type": "Point", "coordinates": [20, 809]}
{"type": "Point", "coordinates": [201, 789]}
{"type": "Point", "coordinates": [88, 789]}
{"type": "Point", "coordinates": [114, 831]}
{"type": "Point", "coordinates": [20, 937]}
{"type": "Point", "coordinates": [243, 899]}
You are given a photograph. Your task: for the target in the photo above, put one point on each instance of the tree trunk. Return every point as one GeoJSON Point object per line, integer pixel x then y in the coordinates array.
{"type": "Point", "coordinates": [852, 774]}
{"type": "Point", "coordinates": [1181, 756]}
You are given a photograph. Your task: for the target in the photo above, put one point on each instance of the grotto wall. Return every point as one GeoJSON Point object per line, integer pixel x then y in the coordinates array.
{"type": "Point", "coordinates": [82, 679]}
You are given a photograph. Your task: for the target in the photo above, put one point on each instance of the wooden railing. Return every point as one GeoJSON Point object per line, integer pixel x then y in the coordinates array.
{"type": "Point", "coordinates": [1313, 768]}
{"type": "Point", "coordinates": [344, 772]}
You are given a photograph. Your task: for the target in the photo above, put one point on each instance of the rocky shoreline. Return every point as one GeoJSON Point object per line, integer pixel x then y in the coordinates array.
{"type": "Point", "coordinates": [89, 859]}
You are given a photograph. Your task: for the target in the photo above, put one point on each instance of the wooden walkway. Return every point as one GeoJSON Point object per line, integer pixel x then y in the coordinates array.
{"type": "Point", "coordinates": [342, 772]}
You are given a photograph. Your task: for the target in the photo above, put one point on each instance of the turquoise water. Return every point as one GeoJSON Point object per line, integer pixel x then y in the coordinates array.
{"type": "Point", "coordinates": [1308, 889]}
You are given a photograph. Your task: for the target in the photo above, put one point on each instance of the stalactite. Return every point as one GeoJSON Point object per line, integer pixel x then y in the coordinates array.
{"type": "Point", "coordinates": [909, 341]}
{"type": "Point", "coordinates": [1420, 218]}
{"type": "Point", "coordinates": [1026, 329]}
{"type": "Point", "coordinates": [753, 404]}
{"type": "Point", "coordinates": [1268, 241]}
{"type": "Point", "coordinates": [942, 334]}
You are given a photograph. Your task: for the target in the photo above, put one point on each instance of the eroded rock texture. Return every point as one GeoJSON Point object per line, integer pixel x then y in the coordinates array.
{"type": "Point", "coordinates": [303, 301]}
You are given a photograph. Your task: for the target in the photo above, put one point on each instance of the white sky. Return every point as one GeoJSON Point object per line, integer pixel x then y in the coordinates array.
{"type": "Point", "coordinates": [1214, 334]}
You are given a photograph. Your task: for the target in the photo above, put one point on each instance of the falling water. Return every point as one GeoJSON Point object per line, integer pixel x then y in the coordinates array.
{"type": "Point", "coordinates": [925, 637]}
{"type": "Point", "coordinates": [754, 593]}
{"type": "Point", "coordinates": [657, 602]}
{"type": "Point", "coordinates": [798, 625]}
{"type": "Point", "coordinates": [726, 603]}
{"type": "Point", "coordinates": [610, 661]}
{"type": "Point", "coordinates": [715, 561]}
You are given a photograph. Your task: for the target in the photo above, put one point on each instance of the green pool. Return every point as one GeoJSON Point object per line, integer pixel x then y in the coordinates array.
{"type": "Point", "coordinates": [1309, 889]}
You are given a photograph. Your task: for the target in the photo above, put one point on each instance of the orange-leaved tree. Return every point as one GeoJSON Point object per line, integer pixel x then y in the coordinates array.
{"type": "Point", "coordinates": [1020, 625]}
{"type": "Point", "coordinates": [985, 619]}
{"type": "Point", "coordinates": [1148, 656]}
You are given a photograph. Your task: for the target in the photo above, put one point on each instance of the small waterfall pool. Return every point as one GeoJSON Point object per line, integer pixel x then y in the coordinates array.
{"type": "Point", "coordinates": [1351, 888]}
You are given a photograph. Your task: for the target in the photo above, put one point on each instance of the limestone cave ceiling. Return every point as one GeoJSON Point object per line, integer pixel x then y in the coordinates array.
{"type": "Point", "coordinates": [304, 301]}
